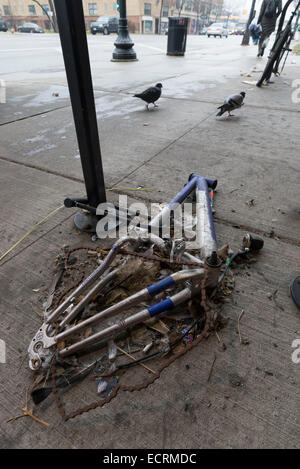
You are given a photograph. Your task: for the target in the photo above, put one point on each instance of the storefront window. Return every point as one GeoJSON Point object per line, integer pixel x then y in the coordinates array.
{"type": "Point", "coordinates": [148, 26]}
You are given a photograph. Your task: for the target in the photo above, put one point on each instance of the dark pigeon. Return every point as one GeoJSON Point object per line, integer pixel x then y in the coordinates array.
{"type": "Point", "coordinates": [150, 95]}
{"type": "Point", "coordinates": [232, 102]}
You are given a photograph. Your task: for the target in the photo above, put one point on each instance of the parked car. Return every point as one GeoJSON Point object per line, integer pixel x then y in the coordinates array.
{"type": "Point", "coordinates": [105, 25]}
{"type": "Point", "coordinates": [3, 26]}
{"type": "Point", "coordinates": [217, 29]}
{"type": "Point", "coordinates": [203, 31]}
{"type": "Point", "coordinates": [30, 28]}
{"type": "Point", "coordinates": [240, 30]}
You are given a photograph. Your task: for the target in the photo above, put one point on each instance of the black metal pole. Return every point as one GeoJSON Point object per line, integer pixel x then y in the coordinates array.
{"type": "Point", "coordinates": [246, 37]}
{"type": "Point", "coordinates": [70, 19]}
{"type": "Point", "coordinates": [124, 46]}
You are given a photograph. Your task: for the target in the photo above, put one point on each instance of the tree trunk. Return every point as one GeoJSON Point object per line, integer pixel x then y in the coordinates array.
{"type": "Point", "coordinates": [246, 37]}
{"type": "Point", "coordinates": [181, 6]}
{"type": "Point", "coordinates": [55, 29]}
{"type": "Point", "coordinates": [160, 15]}
{"type": "Point", "coordinates": [54, 22]}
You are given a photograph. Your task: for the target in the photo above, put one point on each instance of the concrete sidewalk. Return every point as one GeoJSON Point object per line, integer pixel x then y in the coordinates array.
{"type": "Point", "coordinates": [252, 398]}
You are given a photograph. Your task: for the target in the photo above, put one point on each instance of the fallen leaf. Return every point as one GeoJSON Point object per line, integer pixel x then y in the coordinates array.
{"type": "Point", "coordinates": [247, 82]}
{"type": "Point", "coordinates": [250, 202]}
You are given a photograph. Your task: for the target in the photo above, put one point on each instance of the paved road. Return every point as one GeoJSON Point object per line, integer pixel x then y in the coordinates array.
{"type": "Point", "coordinates": [29, 59]}
{"type": "Point", "coordinates": [34, 53]}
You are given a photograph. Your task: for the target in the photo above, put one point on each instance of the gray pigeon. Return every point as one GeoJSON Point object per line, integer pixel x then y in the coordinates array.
{"type": "Point", "coordinates": [150, 95]}
{"type": "Point", "coordinates": [232, 102]}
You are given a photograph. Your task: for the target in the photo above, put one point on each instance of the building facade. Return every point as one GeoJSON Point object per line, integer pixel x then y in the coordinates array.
{"type": "Point", "coordinates": [144, 17]}
{"type": "Point", "coordinates": [16, 12]}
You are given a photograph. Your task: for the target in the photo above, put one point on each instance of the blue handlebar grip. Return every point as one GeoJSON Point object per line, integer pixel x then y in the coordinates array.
{"type": "Point", "coordinates": [164, 305]}
{"type": "Point", "coordinates": [160, 286]}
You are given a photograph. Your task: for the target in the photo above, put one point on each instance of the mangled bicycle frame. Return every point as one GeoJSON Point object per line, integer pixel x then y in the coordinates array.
{"type": "Point", "coordinates": [44, 343]}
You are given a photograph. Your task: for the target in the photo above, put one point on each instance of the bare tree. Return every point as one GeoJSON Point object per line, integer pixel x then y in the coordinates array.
{"type": "Point", "coordinates": [160, 15]}
{"type": "Point", "coordinates": [52, 19]}
{"type": "Point", "coordinates": [52, 8]}
{"type": "Point", "coordinates": [12, 16]}
{"type": "Point", "coordinates": [181, 6]}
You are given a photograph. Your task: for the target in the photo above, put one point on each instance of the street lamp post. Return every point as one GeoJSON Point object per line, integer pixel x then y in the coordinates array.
{"type": "Point", "coordinates": [246, 37]}
{"type": "Point", "coordinates": [124, 46]}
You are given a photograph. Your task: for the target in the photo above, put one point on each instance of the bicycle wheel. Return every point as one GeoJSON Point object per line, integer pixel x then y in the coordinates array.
{"type": "Point", "coordinates": [286, 49]}
{"type": "Point", "coordinates": [275, 54]}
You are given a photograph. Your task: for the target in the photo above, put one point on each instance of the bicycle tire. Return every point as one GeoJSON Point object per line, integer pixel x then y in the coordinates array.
{"type": "Point", "coordinates": [286, 50]}
{"type": "Point", "coordinates": [275, 53]}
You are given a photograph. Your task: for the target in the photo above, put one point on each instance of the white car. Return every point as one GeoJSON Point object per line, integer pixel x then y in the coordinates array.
{"type": "Point", "coordinates": [217, 29]}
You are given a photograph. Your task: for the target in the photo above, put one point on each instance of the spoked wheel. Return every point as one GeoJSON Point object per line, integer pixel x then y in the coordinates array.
{"type": "Point", "coordinates": [285, 51]}
{"type": "Point", "coordinates": [275, 57]}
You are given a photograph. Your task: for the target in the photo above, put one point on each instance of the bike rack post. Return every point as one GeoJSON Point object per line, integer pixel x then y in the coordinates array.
{"type": "Point", "coordinates": [70, 18]}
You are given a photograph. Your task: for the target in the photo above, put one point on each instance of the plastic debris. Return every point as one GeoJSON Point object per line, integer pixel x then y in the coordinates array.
{"type": "Point", "coordinates": [148, 347]}
{"type": "Point", "coordinates": [112, 351]}
{"type": "Point", "coordinates": [188, 336]}
{"type": "Point", "coordinates": [110, 384]}
{"type": "Point", "coordinates": [102, 385]}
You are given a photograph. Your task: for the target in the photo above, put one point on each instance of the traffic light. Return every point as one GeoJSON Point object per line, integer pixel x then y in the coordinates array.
{"type": "Point", "coordinates": [118, 6]}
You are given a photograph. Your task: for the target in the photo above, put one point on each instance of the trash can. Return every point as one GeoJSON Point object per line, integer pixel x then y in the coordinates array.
{"type": "Point", "coordinates": [177, 35]}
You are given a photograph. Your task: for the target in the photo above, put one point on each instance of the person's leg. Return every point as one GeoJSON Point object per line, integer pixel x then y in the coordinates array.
{"type": "Point", "coordinates": [260, 44]}
{"type": "Point", "coordinates": [263, 42]}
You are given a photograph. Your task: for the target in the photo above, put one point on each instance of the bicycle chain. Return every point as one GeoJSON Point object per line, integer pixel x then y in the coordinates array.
{"type": "Point", "coordinates": [149, 381]}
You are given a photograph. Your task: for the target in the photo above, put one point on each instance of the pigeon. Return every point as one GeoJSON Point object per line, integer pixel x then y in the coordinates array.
{"type": "Point", "coordinates": [232, 102]}
{"type": "Point", "coordinates": [150, 95]}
